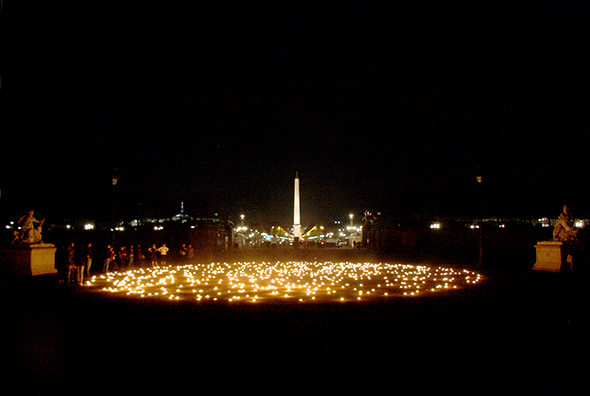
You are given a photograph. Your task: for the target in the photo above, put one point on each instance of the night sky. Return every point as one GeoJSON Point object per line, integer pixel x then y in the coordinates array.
{"type": "Point", "coordinates": [390, 108]}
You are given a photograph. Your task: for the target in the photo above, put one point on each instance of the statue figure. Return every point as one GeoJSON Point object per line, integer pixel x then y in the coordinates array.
{"type": "Point", "coordinates": [27, 233]}
{"type": "Point", "coordinates": [565, 231]}
{"type": "Point", "coordinates": [369, 218]}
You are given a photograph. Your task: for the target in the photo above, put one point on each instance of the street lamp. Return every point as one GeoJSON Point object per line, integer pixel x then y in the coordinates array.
{"type": "Point", "coordinates": [351, 216]}
{"type": "Point", "coordinates": [480, 259]}
{"type": "Point", "coordinates": [114, 180]}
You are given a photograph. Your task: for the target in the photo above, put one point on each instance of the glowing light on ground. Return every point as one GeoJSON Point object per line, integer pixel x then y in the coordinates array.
{"type": "Point", "coordinates": [296, 281]}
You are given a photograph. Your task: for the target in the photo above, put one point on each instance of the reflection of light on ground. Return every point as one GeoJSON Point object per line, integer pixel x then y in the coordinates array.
{"type": "Point", "coordinates": [296, 281]}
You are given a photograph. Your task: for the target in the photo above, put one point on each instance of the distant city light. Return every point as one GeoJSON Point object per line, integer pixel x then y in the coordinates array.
{"type": "Point", "coordinates": [157, 228]}
{"type": "Point", "coordinates": [579, 223]}
{"type": "Point", "coordinates": [435, 226]}
{"type": "Point", "coordinates": [89, 226]}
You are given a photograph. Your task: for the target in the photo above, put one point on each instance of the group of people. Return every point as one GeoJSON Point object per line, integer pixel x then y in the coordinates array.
{"type": "Point", "coordinates": [73, 263]}
{"type": "Point", "coordinates": [134, 257]}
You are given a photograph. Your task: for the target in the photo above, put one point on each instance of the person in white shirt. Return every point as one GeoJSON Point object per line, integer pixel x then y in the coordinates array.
{"type": "Point", "coordinates": [163, 252]}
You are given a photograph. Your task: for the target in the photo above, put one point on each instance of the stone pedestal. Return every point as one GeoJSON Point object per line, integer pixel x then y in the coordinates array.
{"type": "Point", "coordinates": [31, 260]}
{"type": "Point", "coordinates": [552, 256]}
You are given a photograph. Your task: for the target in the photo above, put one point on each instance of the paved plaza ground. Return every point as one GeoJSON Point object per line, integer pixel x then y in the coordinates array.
{"type": "Point", "coordinates": [517, 332]}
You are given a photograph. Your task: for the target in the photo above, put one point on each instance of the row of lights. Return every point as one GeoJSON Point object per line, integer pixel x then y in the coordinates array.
{"type": "Point", "coordinates": [90, 226]}
{"type": "Point", "coordinates": [295, 281]}
{"type": "Point", "coordinates": [436, 225]}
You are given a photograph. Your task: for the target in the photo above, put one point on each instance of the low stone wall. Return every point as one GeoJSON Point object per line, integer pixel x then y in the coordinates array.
{"type": "Point", "coordinates": [502, 248]}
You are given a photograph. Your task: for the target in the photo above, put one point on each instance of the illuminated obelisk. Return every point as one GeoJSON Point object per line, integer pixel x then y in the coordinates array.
{"type": "Point", "coordinates": [296, 214]}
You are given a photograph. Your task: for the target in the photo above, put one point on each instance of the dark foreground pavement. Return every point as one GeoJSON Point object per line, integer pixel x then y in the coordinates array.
{"type": "Point", "coordinates": [518, 333]}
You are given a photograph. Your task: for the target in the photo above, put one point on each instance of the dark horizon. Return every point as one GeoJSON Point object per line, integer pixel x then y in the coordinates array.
{"type": "Point", "coordinates": [387, 108]}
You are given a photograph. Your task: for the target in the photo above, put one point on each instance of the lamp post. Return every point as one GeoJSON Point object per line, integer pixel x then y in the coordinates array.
{"type": "Point", "coordinates": [296, 213]}
{"type": "Point", "coordinates": [480, 259]}
{"type": "Point", "coordinates": [114, 181]}
{"type": "Point", "coordinates": [351, 216]}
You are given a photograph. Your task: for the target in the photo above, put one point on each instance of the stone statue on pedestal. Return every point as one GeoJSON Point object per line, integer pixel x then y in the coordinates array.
{"type": "Point", "coordinates": [27, 233]}
{"type": "Point", "coordinates": [557, 255]}
{"type": "Point", "coordinates": [565, 231]}
{"type": "Point", "coordinates": [28, 255]}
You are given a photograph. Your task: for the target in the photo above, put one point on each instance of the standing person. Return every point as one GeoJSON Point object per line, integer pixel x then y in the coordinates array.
{"type": "Point", "coordinates": [88, 259]}
{"type": "Point", "coordinates": [131, 257]}
{"type": "Point", "coordinates": [190, 253]}
{"type": "Point", "coordinates": [154, 255]}
{"type": "Point", "coordinates": [163, 252]}
{"type": "Point", "coordinates": [109, 258]}
{"type": "Point", "coordinates": [61, 264]}
{"type": "Point", "coordinates": [117, 261]}
{"type": "Point", "coordinates": [125, 258]}
{"type": "Point", "coordinates": [71, 277]}
{"type": "Point", "coordinates": [80, 262]}
{"type": "Point", "coordinates": [122, 258]}
{"type": "Point", "coordinates": [183, 253]}
{"type": "Point", "coordinates": [138, 256]}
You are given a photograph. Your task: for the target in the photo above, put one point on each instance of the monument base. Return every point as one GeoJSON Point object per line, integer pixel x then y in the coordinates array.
{"type": "Point", "coordinates": [28, 260]}
{"type": "Point", "coordinates": [553, 257]}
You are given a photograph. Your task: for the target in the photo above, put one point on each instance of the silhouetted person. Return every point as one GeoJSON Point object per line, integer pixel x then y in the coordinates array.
{"type": "Point", "coordinates": [109, 258]}
{"type": "Point", "coordinates": [131, 257]}
{"type": "Point", "coordinates": [61, 264]}
{"type": "Point", "coordinates": [122, 258]}
{"type": "Point", "coordinates": [183, 253]}
{"type": "Point", "coordinates": [71, 277]}
{"type": "Point", "coordinates": [87, 257]}
{"type": "Point", "coordinates": [138, 257]}
{"type": "Point", "coordinates": [190, 253]}
{"type": "Point", "coordinates": [80, 262]}
{"type": "Point", "coordinates": [154, 255]}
